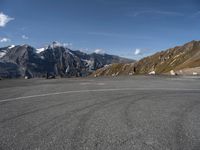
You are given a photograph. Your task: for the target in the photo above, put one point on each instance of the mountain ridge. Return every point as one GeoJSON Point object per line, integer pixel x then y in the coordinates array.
{"type": "Point", "coordinates": [174, 60]}
{"type": "Point", "coordinates": [55, 59]}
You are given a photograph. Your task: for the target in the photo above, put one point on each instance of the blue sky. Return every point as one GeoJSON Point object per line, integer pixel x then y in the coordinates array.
{"type": "Point", "coordinates": [129, 28]}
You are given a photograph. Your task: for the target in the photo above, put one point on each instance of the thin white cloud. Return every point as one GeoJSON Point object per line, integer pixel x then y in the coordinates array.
{"type": "Point", "coordinates": [138, 52]}
{"type": "Point", "coordinates": [196, 14]}
{"type": "Point", "coordinates": [4, 40]}
{"type": "Point", "coordinates": [85, 50]}
{"type": "Point", "coordinates": [104, 34]}
{"type": "Point", "coordinates": [116, 35]}
{"type": "Point", "coordinates": [4, 19]}
{"type": "Point", "coordinates": [25, 37]}
{"type": "Point", "coordinates": [69, 45]}
{"type": "Point", "coordinates": [56, 44]}
{"type": "Point", "coordinates": [39, 50]}
{"type": "Point", "coordinates": [169, 13]}
{"type": "Point", "coordinates": [99, 51]}
{"type": "Point", "coordinates": [59, 44]}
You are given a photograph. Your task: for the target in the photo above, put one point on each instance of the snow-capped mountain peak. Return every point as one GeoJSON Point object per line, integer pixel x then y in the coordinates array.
{"type": "Point", "coordinates": [12, 46]}
{"type": "Point", "coordinates": [4, 50]}
{"type": "Point", "coordinates": [55, 59]}
{"type": "Point", "coordinates": [39, 50]}
{"type": "Point", "coordinates": [55, 44]}
{"type": "Point", "coordinates": [2, 53]}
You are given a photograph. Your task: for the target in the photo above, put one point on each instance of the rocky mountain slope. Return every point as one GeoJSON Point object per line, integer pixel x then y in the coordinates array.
{"type": "Point", "coordinates": [25, 60]}
{"type": "Point", "coordinates": [115, 70]}
{"type": "Point", "coordinates": [177, 59]}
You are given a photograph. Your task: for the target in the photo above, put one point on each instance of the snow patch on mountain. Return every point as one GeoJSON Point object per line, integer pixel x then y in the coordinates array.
{"type": "Point", "coordinates": [71, 53]}
{"type": "Point", "coordinates": [39, 50]}
{"type": "Point", "coordinates": [2, 53]}
{"type": "Point", "coordinates": [89, 62]}
{"type": "Point", "coordinates": [12, 46]}
{"type": "Point", "coordinates": [99, 51]}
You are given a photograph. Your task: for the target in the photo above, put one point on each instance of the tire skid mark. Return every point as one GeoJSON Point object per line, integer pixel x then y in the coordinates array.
{"type": "Point", "coordinates": [38, 110]}
{"type": "Point", "coordinates": [121, 142]}
{"type": "Point", "coordinates": [94, 90]}
{"type": "Point", "coordinates": [54, 121]}
{"type": "Point", "coordinates": [77, 136]}
{"type": "Point", "coordinates": [127, 119]}
{"type": "Point", "coordinates": [128, 122]}
{"type": "Point", "coordinates": [180, 132]}
{"type": "Point", "coordinates": [58, 118]}
{"type": "Point", "coordinates": [127, 109]}
{"type": "Point", "coordinates": [130, 125]}
{"type": "Point", "coordinates": [178, 129]}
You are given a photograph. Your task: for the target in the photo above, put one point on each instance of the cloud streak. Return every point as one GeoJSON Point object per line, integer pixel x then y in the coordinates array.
{"type": "Point", "coordinates": [99, 51]}
{"type": "Point", "coordinates": [4, 40]}
{"type": "Point", "coordinates": [104, 34]}
{"type": "Point", "coordinates": [68, 45]}
{"type": "Point", "coordinates": [25, 37]}
{"type": "Point", "coordinates": [167, 13]}
{"type": "Point", "coordinates": [4, 19]}
{"type": "Point", "coordinates": [196, 14]}
{"type": "Point", "coordinates": [137, 52]}
{"type": "Point", "coordinates": [116, 35]}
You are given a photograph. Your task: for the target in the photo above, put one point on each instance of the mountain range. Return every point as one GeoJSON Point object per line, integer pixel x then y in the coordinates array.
{"type": "Point", "coordinates": [57, 60]}
{"type": "Point", "coordinates": [183, 59]}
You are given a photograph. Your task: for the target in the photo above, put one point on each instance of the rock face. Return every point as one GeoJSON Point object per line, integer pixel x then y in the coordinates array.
{"type": "Point", "coordinates": [177, 59]}
{"type": "Point", "coordinates": [180, 57]}
{"type": "Point", "coordinates": [21, 61]}
{"type": "Point", "coordinates": [26, 59]}
{"type": "Point", "coordinates": [9, 70]}
{"type": "Point", "coordinates": [115, 70]}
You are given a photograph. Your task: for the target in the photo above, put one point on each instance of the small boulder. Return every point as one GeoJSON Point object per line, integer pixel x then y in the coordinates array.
{"type": "Point", "coordinates": [173, 73]}
{"type": "Point", "coordinates": [195, 73]}
{"type": "Point", "coordinates": [152, 73]}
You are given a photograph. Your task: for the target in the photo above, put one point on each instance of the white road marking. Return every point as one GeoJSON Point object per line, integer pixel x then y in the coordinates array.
{"type": "Point", "coordinates": [89, 83]}
{"type": "Point", "coordinates": [85, 83]}
{"type": "Point", "coordinates": [96, 90]}
{"type": "Point", "coordinates": [101, 84]}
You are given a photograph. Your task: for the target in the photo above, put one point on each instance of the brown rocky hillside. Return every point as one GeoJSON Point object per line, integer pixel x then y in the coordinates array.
{"type": "Point", "coordinates": [178, 58]}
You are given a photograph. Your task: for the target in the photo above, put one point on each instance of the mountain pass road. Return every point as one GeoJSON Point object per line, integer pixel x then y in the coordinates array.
{"type": "Point", "coordinates": [118, 113]}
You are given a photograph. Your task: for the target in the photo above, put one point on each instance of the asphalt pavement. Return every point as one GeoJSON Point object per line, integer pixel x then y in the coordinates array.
{"type": "Point", "coordinates": [108, 113]}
